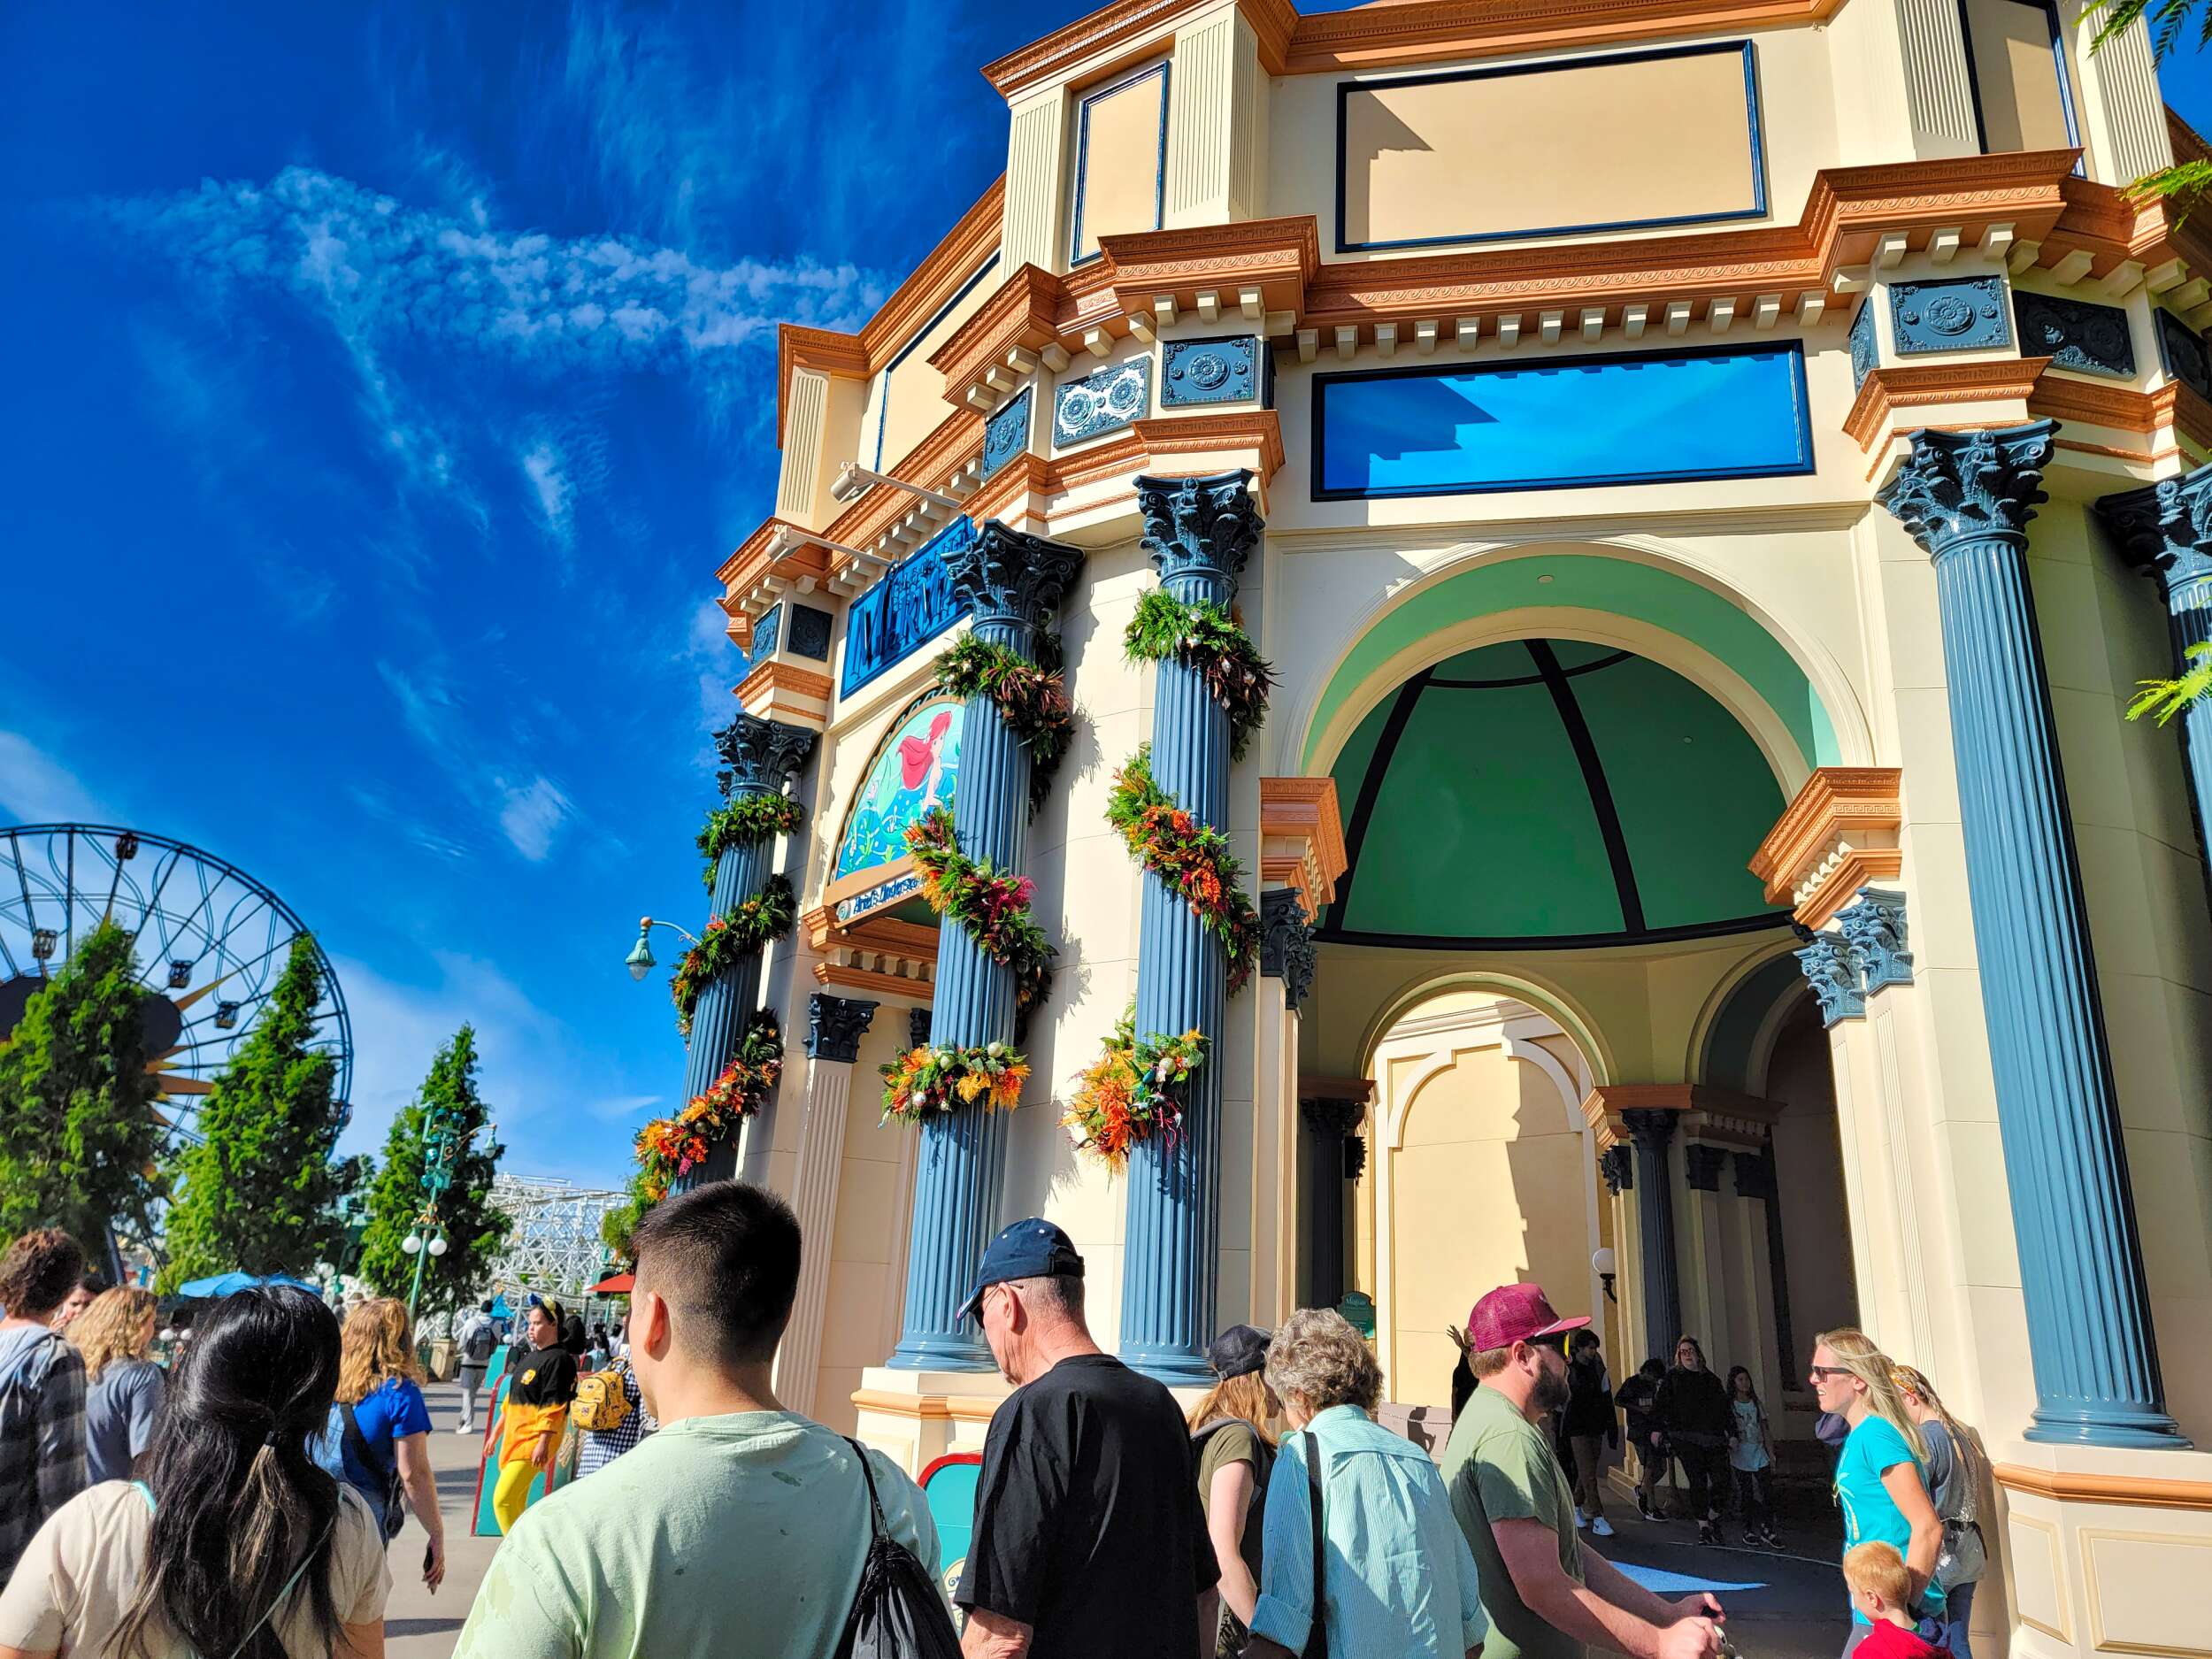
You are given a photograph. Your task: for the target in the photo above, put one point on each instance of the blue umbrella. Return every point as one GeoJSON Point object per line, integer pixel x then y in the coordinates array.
{"type": "Point", "coordinates": [223, 1283]}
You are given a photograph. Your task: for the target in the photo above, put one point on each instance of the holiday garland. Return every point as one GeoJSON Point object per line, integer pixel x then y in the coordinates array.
{"type": "Point", "coordinates": [750, 818]}
{"type": "Point", "coordinates": [1193, 858]}
{"type": "Point", "coordinates": [1132, 1092]}
{"type": "Point", "coordinates": [1210, 640]}
{"type": "Point", "coordinates": [1032, 701]}
{"type": "Point", "coordinates": [764, 918]}
{"type": "Point", "coordinates": [993, 910]}
{"type": "Point", "coordinates": [668, 1148]}
{"type": "Point", "coordinates": [930, 1080]}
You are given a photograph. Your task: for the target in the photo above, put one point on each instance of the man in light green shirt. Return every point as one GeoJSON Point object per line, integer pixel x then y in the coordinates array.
{"type": "Point", "coordinates": [739, 1529]}
{"type": "Point", "coordinates": [1549, 1597]}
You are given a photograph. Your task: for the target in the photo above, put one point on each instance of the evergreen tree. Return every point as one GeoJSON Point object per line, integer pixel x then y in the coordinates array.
{"type": "Point", "coordinates": [78, 1129]}
{"type": "Point", "coordinates": [474, 1230]}
{"type": "Point", "coordinates": [260, 1192]}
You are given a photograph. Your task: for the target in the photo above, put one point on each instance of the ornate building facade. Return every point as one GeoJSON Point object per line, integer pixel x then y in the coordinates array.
{"type": "Point", "coordinates": [1691, 469]}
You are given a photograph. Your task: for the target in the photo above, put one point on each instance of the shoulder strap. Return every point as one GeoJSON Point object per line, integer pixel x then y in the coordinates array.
{"type": "Point", "coordinates": [278, 1601]}
{"type": "Point", "coordinates": [877, 1527]}
{"type": "Point", "coordinates": [358, 1444]}
{"type": "Point", "coordinates": [1320, 1556]}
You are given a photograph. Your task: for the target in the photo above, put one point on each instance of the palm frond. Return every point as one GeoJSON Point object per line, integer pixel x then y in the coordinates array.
{"type": "Point", "coordinates": [2166, 698]}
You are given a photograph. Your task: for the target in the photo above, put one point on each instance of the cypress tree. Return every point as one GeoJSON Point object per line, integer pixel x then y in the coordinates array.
{"type": "Point", "coordinates": [259, 1194]}
{"type": "Point", "coordinates": [475, 1229]}
{"type": "Point", "coordinates": [79, 1132]}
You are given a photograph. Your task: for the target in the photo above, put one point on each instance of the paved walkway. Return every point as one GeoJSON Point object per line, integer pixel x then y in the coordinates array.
{"type": "Point", "coordinates": [1781, 1606]}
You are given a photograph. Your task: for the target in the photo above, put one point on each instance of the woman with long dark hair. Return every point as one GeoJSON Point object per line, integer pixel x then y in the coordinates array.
{"type": "Point", "coordinates": [235, 1546]}
{"type": "Point", "coordinates": [1694, 1405]}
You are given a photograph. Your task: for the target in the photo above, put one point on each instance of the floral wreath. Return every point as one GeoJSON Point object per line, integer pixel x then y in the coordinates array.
{"type": "Point", "coordinates": [1213, 642]}
{"type": "Point", "coordinates": [669, 1148]}
{"type": "Point", "coordinates": [749, 818]}
{"type": "Point", "coordinates": [992, 908]}
{"type": "Point", "coordinates": [927, 1080]}
{"type": "Point", "coordinates": [760, 920]}
{"type": "Point", "coordinates": [1032, 700]}
{"type": "Point", "coordinates": [1132, 1092]}
{"type": "Point", "coordinates": [1193, 858]}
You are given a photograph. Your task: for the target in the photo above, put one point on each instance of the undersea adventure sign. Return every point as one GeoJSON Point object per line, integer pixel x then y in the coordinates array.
{"type": "Point", "coordinates": [914, 773]}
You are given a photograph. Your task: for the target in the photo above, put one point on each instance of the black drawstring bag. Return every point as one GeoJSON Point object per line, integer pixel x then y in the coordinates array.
{"type": "Point", "coordinates": [897, 1612]}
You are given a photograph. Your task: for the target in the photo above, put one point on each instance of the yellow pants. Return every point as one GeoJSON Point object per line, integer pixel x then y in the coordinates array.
{"type": "Point", "coordinates": [512, 1494]}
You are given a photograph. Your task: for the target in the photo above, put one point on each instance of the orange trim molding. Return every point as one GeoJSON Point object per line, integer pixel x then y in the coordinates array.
{"type": "Point", "coordinates": [957, 1408]}
{"type": "Point", "coordinates": [2068, 1487]}
{"type": "Point", "coordinates": [1301, 839]}
{"type": "Point", "coordinates": [898, 959]}
{"type": "Point", "coordinates": [1151, 445]}
{"type": "Point", "coordinates": [1890, 392]}
{"type": "Point", "coordinates": [1839, 834]}
{"type": "Point", "coordinates": [784, 691]}
{"type": "Point", "coordinates": [1740, 1119]}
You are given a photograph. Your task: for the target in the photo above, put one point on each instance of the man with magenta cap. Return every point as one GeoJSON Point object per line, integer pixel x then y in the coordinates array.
{"type": "Point", "coordinates": [1549, 1596]}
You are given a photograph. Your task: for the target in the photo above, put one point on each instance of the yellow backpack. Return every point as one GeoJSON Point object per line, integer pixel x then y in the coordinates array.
{"type": "Point", "coordinates": [602, 1405]}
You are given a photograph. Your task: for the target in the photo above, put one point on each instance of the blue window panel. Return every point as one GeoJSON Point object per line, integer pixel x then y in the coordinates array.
{"type": "Point", "coordinates": [1006, 434]}
{"type": "Point", "coordinates": [1966, 313]}
{"type": "Point", "coordinates": [2181, 350]}
{"type": "Point", "coordinates": [2076, 334]}
{"type": "Point", "coordinates": [1864, 357]}
{"type": "Point", "coordinates": [1645, 418]}
{"type": "Point", "coordinates": [909, 607]}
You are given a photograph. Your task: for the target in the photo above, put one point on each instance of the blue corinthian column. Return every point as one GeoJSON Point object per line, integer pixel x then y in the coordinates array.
{"type": "Point", "coordinates": [1199, 532]}
{"type": "Point", "coordinates": [1015, 583]}
{"type": "Point", "coordinates": [1966, 498]}
{"type": "Point", "coordinates": [761, 754]}
{"type": "Point", "coordinates": [2166, 533]}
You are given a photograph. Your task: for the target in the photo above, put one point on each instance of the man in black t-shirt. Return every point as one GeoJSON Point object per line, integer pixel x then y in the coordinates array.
{"type": "Point", "coordinates": [1089, 1543]}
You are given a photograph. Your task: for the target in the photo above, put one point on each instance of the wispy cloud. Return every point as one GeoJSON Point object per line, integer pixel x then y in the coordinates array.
{"type": "Point", "coordinates": [36, 788]}
{"type": "Point", "coordinates": [532, 815]}
{"type": "Point", "coordinates": [542, 466]}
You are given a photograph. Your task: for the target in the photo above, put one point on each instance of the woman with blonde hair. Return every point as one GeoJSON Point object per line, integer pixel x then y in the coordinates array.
{"type": "Point", "coordinates": [1236, 1451]}
{"type": "Point", "coordinates": [1880, 1486]}
{"type": "Point", "coordinates": [1955, 1481]}
{"type": "Point", "coordinates": [378, 1437]}
{"type": "Point", "coordinates": [123, 1388]}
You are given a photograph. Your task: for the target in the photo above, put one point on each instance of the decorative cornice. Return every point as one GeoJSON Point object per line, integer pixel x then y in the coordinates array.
{"type": "Point", "coordinates": [1315, 1086]}
{"type": "Point", "coordinates": [1891, 397]}
{"type": "Point", "coordinates": [753, 565]}
{"type": "Point", "coordinates": [835, 1024]}
{"type": "Point", "coordinates": [762, 754]}
{"type": "Point", "coordinates": [896, 960]}
{"type": "Point", "coordinates": [1839, 834]}
{"type": "Point", "coordinates": [1151, 446]}
{"type": "Point", "coordinates": [785, 692]}
{"type": "Point", "coordinates": [2156, 417]}
{"type": "Point", "coordinates": [1279, 257]}
{"type": "Point", "coordinates": [824, 351]}
{"type": "Point", "coordinates": [949, 447]}
{"type": "Point", "coordinates": [1301, 839]}
{"type": "Point", "coordinates": [2067, 1485]}
{"type": "Point", "coordinates": [1286, 943]}
{"type": "Point", "coordinates": [1021, 315]}
{"type": "Point", "coordinates": [1200, 526]}
{"type": "Point", "coordinates": [1614, 1110]}
{"type": "Point", "coordinates": [1958, 488]}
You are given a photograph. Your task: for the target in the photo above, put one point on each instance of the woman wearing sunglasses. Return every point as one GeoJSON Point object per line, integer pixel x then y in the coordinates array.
{"type": "Point", "coordinates": [1881, 1485]}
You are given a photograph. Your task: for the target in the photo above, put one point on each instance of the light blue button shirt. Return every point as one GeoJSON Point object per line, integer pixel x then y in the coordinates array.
{"type": "Point", "coordinates": [1396, 1575]}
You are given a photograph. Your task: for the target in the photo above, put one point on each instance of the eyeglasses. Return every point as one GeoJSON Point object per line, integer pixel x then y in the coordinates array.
{"type": "Point", "coordinates": [1818, 1371]}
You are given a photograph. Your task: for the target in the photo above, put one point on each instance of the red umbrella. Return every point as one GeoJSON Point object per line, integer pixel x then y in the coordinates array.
{"type": "Point", "coordinates": [618, 1285]}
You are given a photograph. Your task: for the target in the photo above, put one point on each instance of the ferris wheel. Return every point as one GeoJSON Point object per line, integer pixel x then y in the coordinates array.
{"type": "Point", "coordinates": [210, 941]}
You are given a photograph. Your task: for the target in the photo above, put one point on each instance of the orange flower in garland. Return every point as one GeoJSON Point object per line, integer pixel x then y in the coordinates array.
{"type": "Point", "coordinates": [926, 1081]}
{"type": "Point", "coordinates": [1191, 858]}
{"type": "Point", "coordinates": [992, 908]}
{"type": "Point", "coordinates": [1132, 1092]}
{"type": "Point", "coordinates": [669, 1148]}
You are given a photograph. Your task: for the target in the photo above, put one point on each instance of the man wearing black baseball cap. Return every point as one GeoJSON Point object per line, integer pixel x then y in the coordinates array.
{"type": "Point", "coordinates": [1088, 1538]}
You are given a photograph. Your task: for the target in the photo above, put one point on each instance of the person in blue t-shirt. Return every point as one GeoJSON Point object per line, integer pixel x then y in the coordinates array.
{"type": "Point", "coordinates": [388, 1455]}
{"type": "Point", "coordinates": [1879, 1484]}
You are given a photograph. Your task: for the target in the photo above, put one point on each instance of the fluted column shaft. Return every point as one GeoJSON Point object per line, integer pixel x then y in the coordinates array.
{"type": "Point", "coordinates": [1654, 1215]}
{"type": "Point", "coordinates": [1967, 499]}
{"type": "Point", "coordinates": [1015, 583]}
{"type": "Point", "coordinates": [835, 1024]}
{"type": "Point", "coordinates": [763, 754]}
{"type": "Point", "coordinates": [1200, 533]}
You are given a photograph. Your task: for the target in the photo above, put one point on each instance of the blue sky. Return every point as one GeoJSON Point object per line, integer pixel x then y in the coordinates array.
{"type": "Point", "coordinates": [385, 384]}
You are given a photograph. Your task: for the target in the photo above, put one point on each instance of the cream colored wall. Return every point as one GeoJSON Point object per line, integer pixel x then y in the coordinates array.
{"type": "Point", "coordinates": [2017, 75]}
{"type": "Point", "coordinates": [1119, 182]}
{"type": "Point", "coordinates": [909, 399]}
{"type": "Point", "coordinates": [1793, 74]}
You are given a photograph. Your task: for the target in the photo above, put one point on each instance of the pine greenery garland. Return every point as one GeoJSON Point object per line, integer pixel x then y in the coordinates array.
{"type": "Point", "coordinates": [758, 921]}
{"type": "Point", "coordinates": [750, 818]}
{"type": "Point", "coordinates": [1213, 642]}
{"type": "Point", "coordinates": [1032, 701]}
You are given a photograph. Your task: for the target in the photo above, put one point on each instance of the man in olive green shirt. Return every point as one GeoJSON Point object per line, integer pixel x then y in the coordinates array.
{"type": "Point", "coordinates": [1548, 1596]}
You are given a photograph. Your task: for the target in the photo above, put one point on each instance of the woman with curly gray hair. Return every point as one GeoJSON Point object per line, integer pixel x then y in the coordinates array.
{"type": "Point", "coordinates": [1408, 1585]}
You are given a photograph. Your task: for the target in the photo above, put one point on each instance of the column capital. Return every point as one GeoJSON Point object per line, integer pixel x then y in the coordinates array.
{"type": "Point", "coordinates": [1651, 1128]}
{"type": "Point", "coordinates": [1334, 1118]}
{"type": "Point", "coordinates": [1755, 1176]}
{"type": "Point", "coordinates": [1617, 1166]}
{"type": "Point", "coordinates": [1957, 488]}
{"type": "Point", "coordinates": [1200, 526]}
{"type": "Point", "coordinates": [1701, 1165]}
{"type": "Point", "coordinates": [835, 1026]}
{"type": "Point", "coordinates": [1829, 962]}
{"type": "Point", "coordinates": [1874, 927]}
{"type": "Point", "coordinates": [2165, 530]}
{"type": "Point", "coordinates": [1011, 578]}
{"type": "Point", "coordinates": [917, 1028]}
{"type": "Point", "coordinates": [762, 754]}
{"type": "Point", "coordinates": [1286, 942]}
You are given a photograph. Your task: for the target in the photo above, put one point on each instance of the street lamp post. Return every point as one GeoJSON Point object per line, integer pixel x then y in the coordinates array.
{"type": "Point", "coordinates": [445, 1136]}
{"type": "Point", "coordinates": [640, 961]}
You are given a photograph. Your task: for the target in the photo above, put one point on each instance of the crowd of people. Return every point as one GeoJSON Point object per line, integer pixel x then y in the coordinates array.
{"type": "Point", "coordinates": [241, 1502]}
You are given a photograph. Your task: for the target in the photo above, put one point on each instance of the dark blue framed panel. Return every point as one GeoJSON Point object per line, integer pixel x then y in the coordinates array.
{"type": "Point", "coordinates": [809, 632]}
{"type": "Point", "coordinates": [883, 403]}
{"type": "Point", "coordinates": [1100, 402]}
{"type": "Point", "coordinates": [1099, 94]}
{"type": "Point", "coordinates": [2075, 335]}
{"type": "Point", "coordinates": [766, 631]}
{"type": "Point", "coordinates": [1226, 370]}
{"type": "Point", "coordinates": [1962, 314]}
{"type": "Point", "coordinates": [2047, 16]}
{"type": "Point", "coordinates": [911, 605]}
{"type": "Point", "coordinates": [1006, 434]}
{"type": "Point", "coordinates": [1865, 358]}
{"type": "Point", "coordinates": [1345, 90]}
{"type": "Point", "coordinates": [2181, 350]}
{"type": "Point", "coordinates": [1639, 418]}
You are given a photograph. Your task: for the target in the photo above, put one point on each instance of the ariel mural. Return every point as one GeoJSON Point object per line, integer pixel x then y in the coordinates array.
{"type": "Point", "coordinates": [915, 772]}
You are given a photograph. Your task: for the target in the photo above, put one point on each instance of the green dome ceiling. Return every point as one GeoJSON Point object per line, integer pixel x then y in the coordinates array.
{"type": "Point", "coordinates": [1546, 792]}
